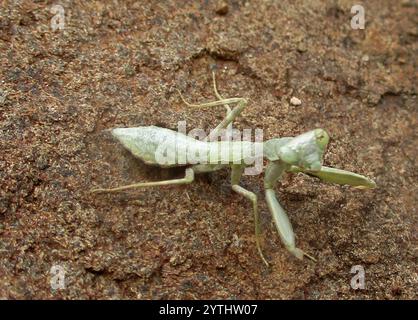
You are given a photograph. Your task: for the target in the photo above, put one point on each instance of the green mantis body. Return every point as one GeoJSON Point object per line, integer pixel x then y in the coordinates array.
{"type": "Point", "coordinates": [303, 154]}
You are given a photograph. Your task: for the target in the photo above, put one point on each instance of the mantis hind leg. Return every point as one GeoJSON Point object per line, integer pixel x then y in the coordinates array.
{"type": "Point", "coordinates": [231, 114]}
{"type": "Point", "coordinates": [226, 123]}
{"type": "Point", "coordinates": [235, 178]}
{"type": "Point", "coordinates": [227, 107]}
{"type": "Point", "coordinates": [188, 178]}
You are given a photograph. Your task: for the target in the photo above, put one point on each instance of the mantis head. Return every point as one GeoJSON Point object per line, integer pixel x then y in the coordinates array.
{"type": "Point", "coordinates": [306, 150]}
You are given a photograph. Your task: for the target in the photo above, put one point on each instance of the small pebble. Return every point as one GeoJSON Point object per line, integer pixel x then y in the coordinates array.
{"type": "Point", "coordinates": [295, 101]}
{"type": "Point", "coordinates": [222, 8]}
{"type": "Point", "coordinates": [365, 58]}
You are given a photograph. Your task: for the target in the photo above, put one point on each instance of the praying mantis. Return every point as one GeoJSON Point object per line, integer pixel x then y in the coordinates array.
{"type": "Point", "coordinates": [300, 154]}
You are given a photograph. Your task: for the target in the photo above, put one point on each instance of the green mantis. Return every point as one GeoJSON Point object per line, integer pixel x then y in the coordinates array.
{"type": "Point", "coordinates": [300, 154]}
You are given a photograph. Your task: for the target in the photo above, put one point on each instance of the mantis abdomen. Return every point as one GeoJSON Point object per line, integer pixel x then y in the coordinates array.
{"type": "Point", "coordinates": [168, 148]}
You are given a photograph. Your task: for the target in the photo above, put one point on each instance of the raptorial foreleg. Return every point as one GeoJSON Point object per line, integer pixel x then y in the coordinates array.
{"type": "Point", "coordinates": [281, 220]}
{"type": "Point", "coordinates": [338, 176]}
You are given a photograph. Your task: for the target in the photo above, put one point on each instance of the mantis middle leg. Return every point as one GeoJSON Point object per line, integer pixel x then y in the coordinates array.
{"type": "Point", "coordinates": [236, 174]}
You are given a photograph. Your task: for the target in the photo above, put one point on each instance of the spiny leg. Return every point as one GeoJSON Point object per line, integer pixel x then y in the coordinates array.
{"type": "Point", "coordinates": [281, 220]}
{"type": "Point", "coordinates": [188, 178]}
{"type": "Point", "coordinates": [338, 176]}
{"type": "Point", "coordinates": [236, 174]}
